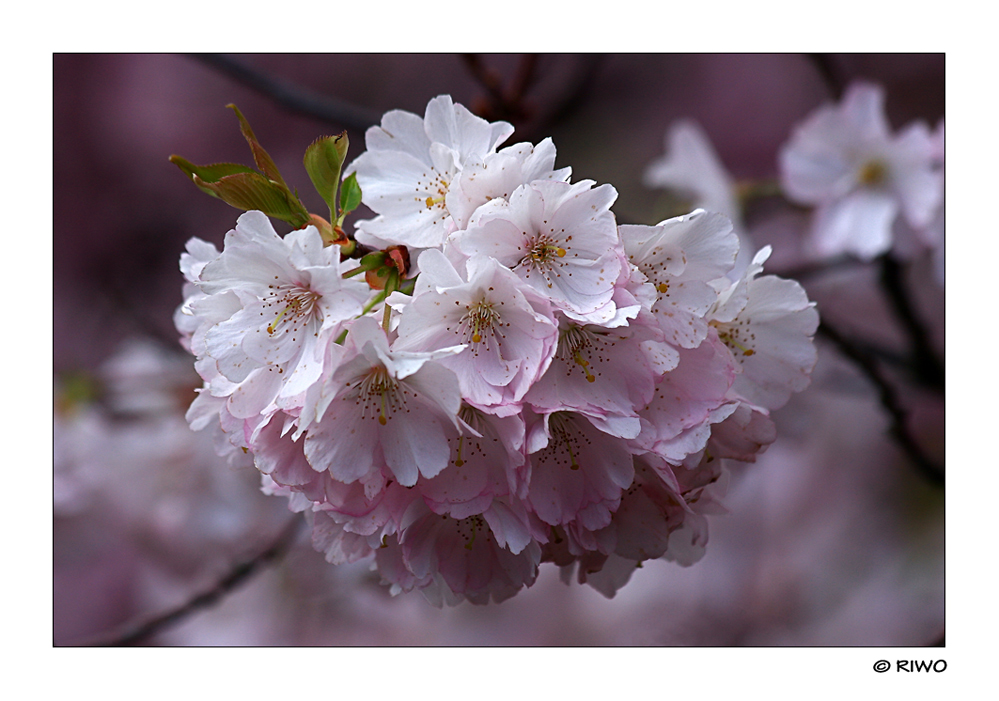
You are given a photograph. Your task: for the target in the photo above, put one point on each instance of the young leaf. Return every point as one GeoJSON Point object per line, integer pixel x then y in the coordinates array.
{"type": "Point", "coordinates": [209, 173]}
{"type": "Point", "coordinates": [263, 160]}
{"type": "Point", "coordinates": [350, 196]}
{"type": "Point", "coordinates": [323, 160]}
{"type": "Point", "coordinates": [252, 190]}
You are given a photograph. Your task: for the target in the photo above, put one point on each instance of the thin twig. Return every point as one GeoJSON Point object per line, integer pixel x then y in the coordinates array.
{"type": "Point", "coordinates": [487, 78]}
{"type": "Point", "coordinates": [929, 370]}
{"type": "Point", "coordinates": [504, 102]}
{"type": "Point", "coordinates": [889, 399]}
{"type": "Point", "coordinates": [135, 633]}
{"type": "Point", "coordinates": [830, 72]}
{"type": "Point", "coordinates": [291, 96]}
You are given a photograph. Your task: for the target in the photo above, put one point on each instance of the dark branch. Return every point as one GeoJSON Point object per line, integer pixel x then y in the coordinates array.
{"type": "Point", "coordinates": [487, 78]}
{"type": "Point", "coordinates": [293, 97]}
{"type": "Point", "coordinates": [928, 368]}
{"type": "Point", "coordinates": [831, 74]}
{"type": "Point", "coordinates": [922, 365]}
{"type": "Point", "coordinates": [503, 102]}
{"type": "Point", "coordinates": [889, 399]}
{"type": "Point", "coordinates": [135, 633]}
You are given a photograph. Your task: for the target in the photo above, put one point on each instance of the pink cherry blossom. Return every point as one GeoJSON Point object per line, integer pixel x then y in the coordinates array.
{"type": "Point", "coordinates": [383, 408]}
{"type": "Point", "coordinates": [577, 471]}
{"type": "Point", "coordinates": [463, 558]}
{"type": "Point", "coordinates": [506, 326]}
{"type": "Point", "coordinates": [597, 371]}
{"type": "Point", "coordinates": [559, 238]}
{"type": "Point", "coordinates": [545, 386]}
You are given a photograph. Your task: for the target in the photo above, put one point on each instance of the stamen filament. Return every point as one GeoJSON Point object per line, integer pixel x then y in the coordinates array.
{"type": "Point", "coordinates": [272, 327]}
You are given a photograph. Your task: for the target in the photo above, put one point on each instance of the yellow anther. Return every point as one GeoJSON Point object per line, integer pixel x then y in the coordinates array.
{"type": "Point", "coordinates": [584, 364]}
{"type": "Point", "coordinates": [663, 287]}
{"type": "Point", "coordinates": [273, 325]}
{"type": "Point", "coordinates": [727, 339]}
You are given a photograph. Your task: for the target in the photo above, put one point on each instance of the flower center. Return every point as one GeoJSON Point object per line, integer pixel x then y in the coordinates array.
{"type": "Point", "coordinates": [872, 173]}
{"type": "Point", "coordinates": [480, 318]}
{"type": "Point", "coordinates": [296, 306]}
{"type": "Point", "coordinates": [436, 188]}
{"type": "Point", "coordinates": [542, 254]}
{"type": "Point", "coordinates": [736, 336]}
{"type": "Point", "coordinates": [471, 447]}
{"type": "Point", "coordinates": [564, 439]}
{"type": "Point", "coordinates": [573, 341]}
{"type": "Point", "coordinates": [380, 392]}
{"type": "Point", "coordinates": [470, 527]}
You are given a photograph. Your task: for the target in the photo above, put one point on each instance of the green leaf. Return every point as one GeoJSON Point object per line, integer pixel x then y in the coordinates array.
{"type": "Point", "coordinates": [350, 196]}
{"type": "Point", "coordinates": [250, 190]}
{"type": "Point", "coordinates": [209, 173]}
{"type": "Point", "coordinates": [323, 160]}
{"type": "Point", "coordinates": [263, 160]}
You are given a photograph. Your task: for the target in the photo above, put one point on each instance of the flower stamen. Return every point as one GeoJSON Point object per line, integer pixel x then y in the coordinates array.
{"type": "Point", "coordinates": [479, 319]}
{"type": "Point", "coordinates": [299, 304]}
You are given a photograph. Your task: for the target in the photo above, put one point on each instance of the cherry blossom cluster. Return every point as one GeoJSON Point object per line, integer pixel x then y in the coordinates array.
{"type": "Point", "coordinates": [523, 380]}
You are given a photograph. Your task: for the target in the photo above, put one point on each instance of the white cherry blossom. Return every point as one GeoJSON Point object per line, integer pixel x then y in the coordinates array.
{"type": "Point", "coordinates": [767, 323]}
{"type": "Point", "coordinates": [844, 160]}
{"type": "Point", "coordinates": [291, 299]}
{"type": "Point", "coordinates": [410, 165]}
{"type": "Point", "coordinates": [680, 257]}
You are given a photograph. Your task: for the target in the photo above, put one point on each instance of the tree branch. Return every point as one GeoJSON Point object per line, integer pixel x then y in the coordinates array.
{"type": "Point", "coordinates": [928, 368]}
{"type": "Point", "coordinates": [134, 633]}
{"type": "Point", "coordinates": [831, 74]}
{"type": "Point", "coordinates": [293, 97]}
{"type": "Point", "coordinates": [889, 399]}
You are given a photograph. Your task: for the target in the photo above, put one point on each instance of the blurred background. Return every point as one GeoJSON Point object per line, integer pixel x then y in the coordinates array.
{"type": "Point", "coordinates": [835, 536]}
